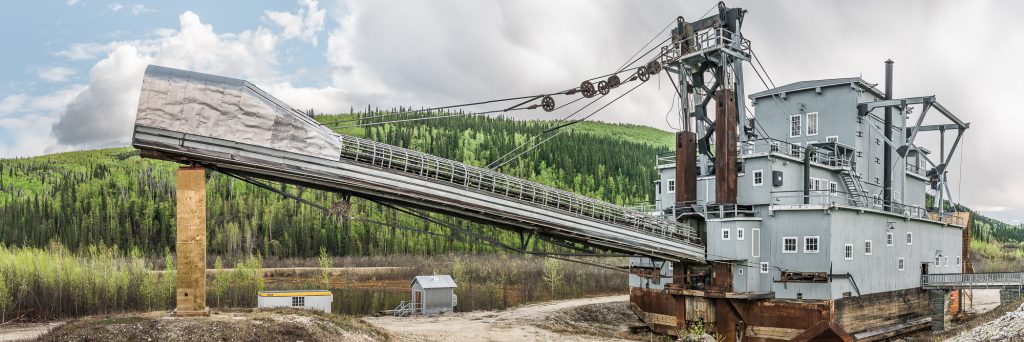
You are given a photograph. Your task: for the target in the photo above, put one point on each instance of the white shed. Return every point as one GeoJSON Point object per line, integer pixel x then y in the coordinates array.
{"type": "Point", "coordinates": [433, 294]}
{"type": "Point", "coordinates": [318, 300]}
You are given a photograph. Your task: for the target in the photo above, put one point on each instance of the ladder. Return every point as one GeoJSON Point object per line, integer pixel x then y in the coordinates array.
{"type": "Point", "coordinates": [853, 187]}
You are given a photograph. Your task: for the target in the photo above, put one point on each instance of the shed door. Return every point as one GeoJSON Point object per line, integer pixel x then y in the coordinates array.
{"type": "Point", "coordinates": [418, 304]}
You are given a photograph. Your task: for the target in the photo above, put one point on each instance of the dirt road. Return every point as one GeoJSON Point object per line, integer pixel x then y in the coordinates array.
{"type": "Point", "coordinates": [517, 324]}
{"type": "Point", "coordinates": [26, 331]}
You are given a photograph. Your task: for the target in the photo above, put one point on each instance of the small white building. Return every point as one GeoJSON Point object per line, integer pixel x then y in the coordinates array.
{"type": "Point", "coordinates": [433, 294]}
{"type": "Point", "coordinates": [318, 300]}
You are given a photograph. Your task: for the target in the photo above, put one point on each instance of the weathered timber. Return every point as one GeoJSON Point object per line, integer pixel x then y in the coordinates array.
{"type": "Point", "coordinates": [190, 244]}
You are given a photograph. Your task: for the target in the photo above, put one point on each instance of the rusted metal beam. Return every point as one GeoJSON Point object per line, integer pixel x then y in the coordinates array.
{"type": "Point", "coordinates": [686, 167]}
{"type": "Point", "coordinates": [725, 147]}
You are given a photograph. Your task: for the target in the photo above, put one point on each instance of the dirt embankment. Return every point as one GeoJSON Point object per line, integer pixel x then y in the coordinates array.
{"type": "Point", "coordinates": [270, 325]}
{"type": "Point", "coordinates": [588, 319]}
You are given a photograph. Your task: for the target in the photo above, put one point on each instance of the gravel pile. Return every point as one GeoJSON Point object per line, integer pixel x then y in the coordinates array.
{"type": "Point", "coordinates": [1008, 327]}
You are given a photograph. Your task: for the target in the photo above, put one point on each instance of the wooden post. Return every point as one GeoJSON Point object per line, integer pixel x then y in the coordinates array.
{"type": "Point", "coordinates": [191, 242]}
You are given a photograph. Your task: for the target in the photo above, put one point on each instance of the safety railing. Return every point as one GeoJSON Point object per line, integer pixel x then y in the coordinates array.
{"type": "Point", "coordinates": [968, 280]}
{"type": "Point", "coordinates": [706, 41]}
{"type": "Point", "coordinates": [820, 156]}
{"type": "Point", "coordinates": [834, 198]}
{"type": "Point", "coordinates": [437, 169]}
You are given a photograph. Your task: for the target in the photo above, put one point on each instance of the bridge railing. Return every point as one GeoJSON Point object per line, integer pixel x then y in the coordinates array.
{"type": "Point", "coordinates": [967, 280]}
{"type": "Point", "coordinates": [438, 169]}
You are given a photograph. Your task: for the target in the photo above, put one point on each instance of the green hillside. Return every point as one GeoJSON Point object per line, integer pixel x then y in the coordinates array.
{"type": "Point", "coordinates": [114, 197]}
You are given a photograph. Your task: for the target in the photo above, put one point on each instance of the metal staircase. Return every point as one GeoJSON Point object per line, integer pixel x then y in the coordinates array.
{"type": "Point", "coordinates": [853, 187]}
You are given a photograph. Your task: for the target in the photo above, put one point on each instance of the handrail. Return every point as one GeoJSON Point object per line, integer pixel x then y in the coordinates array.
{"type": "Point", "coordinates": [441, 170]}
{"type": "Point", "coordinates": [973, 279]}
{"type": "Point", "coordinates": [830, 198]}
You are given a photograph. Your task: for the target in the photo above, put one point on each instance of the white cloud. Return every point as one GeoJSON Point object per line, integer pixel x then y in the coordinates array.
{"type": "Point", "coordinates": [84, 51]}
{"type": "Point", "coordinates": [102, 114]}
{"type": "Point", "coordinates": [114, 7]}
{"type": "Point", "coordinates": [303, 25]}
{"type": "Point", "coordinates": [140, 9]}
{"type": "Point", "coordinates": [55, 74]}
{"type": "Point", "coordinates": [12, 103]}
{"type": "Point", "coordinates": [72, 2]}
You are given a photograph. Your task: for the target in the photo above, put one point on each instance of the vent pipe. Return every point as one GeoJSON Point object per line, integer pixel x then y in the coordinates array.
{"type": "Point", "coordinates": [887, 156]}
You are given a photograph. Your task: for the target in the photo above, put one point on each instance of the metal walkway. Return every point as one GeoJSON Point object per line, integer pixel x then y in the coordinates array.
{"type": "Point", "coordinates": [232, 125]}
{"type": "Point", "coordinates": [954, 281]}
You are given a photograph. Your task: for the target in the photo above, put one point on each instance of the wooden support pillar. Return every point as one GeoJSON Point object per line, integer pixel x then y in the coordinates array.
{"type": "Point", "coordinates": [725, 147]}
{"type": "Point", "coordinates": [191, 242]}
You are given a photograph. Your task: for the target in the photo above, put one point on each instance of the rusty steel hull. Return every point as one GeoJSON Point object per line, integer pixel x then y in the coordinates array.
{"type": "Point", "coordinates": [864, 318]}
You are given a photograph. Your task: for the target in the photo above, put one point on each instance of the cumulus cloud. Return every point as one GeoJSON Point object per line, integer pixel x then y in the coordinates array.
{"type": "Point", "coordinates": [55, 74]}
{"type": "Point", "coordinates": [114, 7]}
{"type": "Point", "coordinates": [102, 114]}
{"type": "Point", "coordinates": [304, 25]}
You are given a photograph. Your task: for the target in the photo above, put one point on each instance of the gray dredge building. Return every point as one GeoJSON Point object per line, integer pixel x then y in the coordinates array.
{"type": "Point", "coordinates": [812, 238]}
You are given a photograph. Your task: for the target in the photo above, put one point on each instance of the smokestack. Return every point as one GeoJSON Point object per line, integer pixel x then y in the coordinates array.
{"type": "Point", "coordinates": [887, 156]}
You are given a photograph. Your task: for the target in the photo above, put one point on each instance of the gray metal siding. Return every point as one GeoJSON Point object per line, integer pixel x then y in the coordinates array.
{"type": "Point", "coordinates": [435, 300]}
{"type": "Point", "coordinates": [879, 271]}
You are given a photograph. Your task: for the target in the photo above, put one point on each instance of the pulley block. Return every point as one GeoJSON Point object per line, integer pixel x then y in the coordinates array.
{"type": "Point", "coordinates": [642, 74]}
{"type": "Point", "coordinates": [587, 89]}
{"type": "Point", "coordinates": [653, 67]}
{"type": "Point", "coordinates": [613, 81]}
{"type": "Point", "coordinates": [547, 103]}
{"type": "Point", "coordinates": [602, 88]}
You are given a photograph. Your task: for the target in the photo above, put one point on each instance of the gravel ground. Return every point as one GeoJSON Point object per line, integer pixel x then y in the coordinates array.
{"type": "Point", "coordinates": [525, 323]}
{"type": "Point", "coordinates": [272, 325]}
{"type": "Point", "coordinates": [1008, 327]}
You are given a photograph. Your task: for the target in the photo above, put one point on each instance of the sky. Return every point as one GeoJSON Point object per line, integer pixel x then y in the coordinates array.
{"type": "Point", "coordinates": [72, 70]}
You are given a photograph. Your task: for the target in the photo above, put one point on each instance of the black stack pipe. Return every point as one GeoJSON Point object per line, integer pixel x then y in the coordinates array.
{"type": "Point", "coordinates": [887, 156]}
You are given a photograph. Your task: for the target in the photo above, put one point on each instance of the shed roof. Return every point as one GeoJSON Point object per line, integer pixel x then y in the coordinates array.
{"type": "Point", "coordinates": [438, 281]}
{"type": "Point", "coordinates": [812, 84]}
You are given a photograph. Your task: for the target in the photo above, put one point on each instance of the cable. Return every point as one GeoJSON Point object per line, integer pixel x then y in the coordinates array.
{"type": "Point", "coordinates": [775, 95]}
{"type": "Point", "coordinates": [500, 159]}
{"type": "Point", "coordinates": [624, 64]}
{"type": "Point", "coordinates": [566, 125]}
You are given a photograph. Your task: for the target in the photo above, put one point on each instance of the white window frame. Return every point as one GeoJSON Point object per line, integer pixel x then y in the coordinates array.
{"type": "Point", "coordinates": [848, 251]}
{"type": "Point", "coordinates": [739, 234]}
{"type": "Point", "coordinates": [796, 244]}
{"type": "Point", "coordinates": [671, 187]}
{"type": "Point", "coordinates": [817, 244]}
{"type": "Point", "coordinates": [910, 238]}
{"type": "Point", "coordinates": [890, 239]}
{"type": "Point", "coordinates": [740, 270]}
{"type": "Point", "coordinates": [958, 261]}
{"type": "Point", "coordinates": [657, 185]}
{"type": "Point", "coordinates": [817, 183]}
{"type": "Point", "coordinates": [938, 261]}
{"type": "Point", "coordinates": [833, 187]}
{"type": "Point", "coordinates": [726, 234]}
{"type": "Point", "coordinates": [815, 122]}
{"type": "Point", "coordinates": [832, 139]}
{"type": "Point", "coordinates": [901, 264]}
{"type": "Point", "coordinates": [799, 125]}
{"type": "Point", "coordinates": [869, 247]}
{"type": "Point", "coordinates": [764, 267]}
{"type": "Point", "coordinates": [758, 177]}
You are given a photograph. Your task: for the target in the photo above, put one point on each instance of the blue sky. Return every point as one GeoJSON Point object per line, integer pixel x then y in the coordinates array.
{"type": "Point", "coordinates": [72, 69]}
